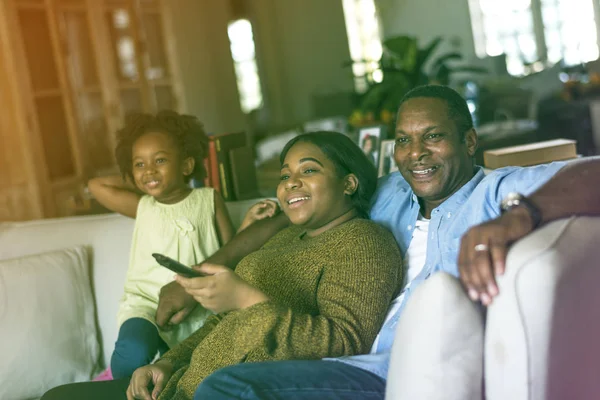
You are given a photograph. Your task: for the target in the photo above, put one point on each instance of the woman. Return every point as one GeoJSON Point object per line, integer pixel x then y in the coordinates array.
{"type": "Point", "coordinates": [319, 288]}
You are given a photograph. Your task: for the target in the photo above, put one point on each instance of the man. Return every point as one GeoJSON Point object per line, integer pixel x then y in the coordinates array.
{"type": "Point", "coordinates": [435, 198]}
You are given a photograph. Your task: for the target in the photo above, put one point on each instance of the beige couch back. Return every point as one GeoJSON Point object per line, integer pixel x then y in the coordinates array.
{"type": "Point", "coordinates": [107, 236]}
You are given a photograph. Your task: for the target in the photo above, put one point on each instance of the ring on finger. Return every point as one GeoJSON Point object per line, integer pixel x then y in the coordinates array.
{"type": "Point", "coordinates": [481, 247]}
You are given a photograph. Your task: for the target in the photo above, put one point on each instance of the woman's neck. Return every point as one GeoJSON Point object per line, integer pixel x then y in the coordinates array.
{"type": "Point", "coordinates": [345, 217]}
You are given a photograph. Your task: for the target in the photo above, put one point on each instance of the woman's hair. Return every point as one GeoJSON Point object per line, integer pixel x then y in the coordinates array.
{"type": "Point", "coordinates": [186, 131]}
{"type": "Point", "coordinates": [348, 158]}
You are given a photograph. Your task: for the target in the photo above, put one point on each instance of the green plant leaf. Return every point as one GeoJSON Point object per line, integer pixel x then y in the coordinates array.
{"type": "Point", "coordinates": [404, 50]}
{"type": "Point", "coordinates": [444, 58]}
{"type": "Point", "coordinates": [425, 53]}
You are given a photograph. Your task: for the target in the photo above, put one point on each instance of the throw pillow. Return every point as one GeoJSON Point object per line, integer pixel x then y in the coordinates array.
{"type": "Point", "coordinates": [48, 333]}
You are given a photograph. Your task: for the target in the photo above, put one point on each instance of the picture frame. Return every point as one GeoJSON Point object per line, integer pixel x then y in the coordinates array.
{"type": "Point", "coordinates": [369, 139]}
{"type": "Point", "coordinates": [387, 164]}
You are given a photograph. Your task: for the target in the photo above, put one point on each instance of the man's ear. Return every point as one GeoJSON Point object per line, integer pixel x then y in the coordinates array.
{"type": "Point", "coordinates": [471, 141]}
{"type": "Point", "coordinates": [188, 166]}
{"type": "Point", "coordinates": [350, 184]}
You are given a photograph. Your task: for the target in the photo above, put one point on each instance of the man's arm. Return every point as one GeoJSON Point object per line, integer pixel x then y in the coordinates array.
{"type": "Point", "coordinates": [572, 191]}
{"type": "Point", "coordinates": [174, 304]}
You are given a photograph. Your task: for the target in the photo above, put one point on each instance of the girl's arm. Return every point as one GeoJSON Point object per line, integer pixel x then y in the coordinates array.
{"type": "Point", "coordinates": [223, 222]}
{"type": "Point", "coordinates": [116, 194]}
{"type": "Point", "coordinates": [263, 209]}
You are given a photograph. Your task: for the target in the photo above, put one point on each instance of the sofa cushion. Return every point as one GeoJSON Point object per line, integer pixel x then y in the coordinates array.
{"type": "Point", "coordinates": [48, 334]}
{"type": "Point", "coordinates": [438, 346]}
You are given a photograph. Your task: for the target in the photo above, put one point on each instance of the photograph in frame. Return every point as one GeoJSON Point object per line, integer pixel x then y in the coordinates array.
{"type": "Point", "coordinates": [369, 139]}
{"type": "Point", "coordinates": [387, 164]}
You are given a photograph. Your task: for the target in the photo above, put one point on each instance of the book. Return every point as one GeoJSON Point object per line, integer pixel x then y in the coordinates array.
{"type": "Point", "coordinates": [213, 166]}
{"type": "Point", "coordinates": [243, 173]}
{"type": "Point", "coordinates": [206, 161]}
{"type": "Point", "coordinates": [223, 144]}
{"type": "Point", "coordinates": [531, 154]}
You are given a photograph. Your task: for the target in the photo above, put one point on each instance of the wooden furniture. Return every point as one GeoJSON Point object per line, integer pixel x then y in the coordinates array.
{"type": "Point", "coordinates": [70, 72]}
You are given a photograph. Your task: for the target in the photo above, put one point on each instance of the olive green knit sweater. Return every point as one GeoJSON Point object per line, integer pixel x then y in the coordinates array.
{"type": "Point", "coordinates": [328, 298]}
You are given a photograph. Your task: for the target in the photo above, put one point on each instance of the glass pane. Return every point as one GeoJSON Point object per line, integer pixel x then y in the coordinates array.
{"type": "Point", "coordinates": [156, 46]}
{"type": "Point", "coordinates": [94, 133]}
{"type": "Point", "coordinates": [528, 47]}
{"type": "Point", "coordinates": [131, 101]}
{"type": "Point", "coordinates": [55, 137]}
{"type": "Point", "coordinates": [81, 55]}
{"type": "Point", "coordinates": [122, 43]}
{"type": "Point", "coordinates": [164, 98]}
{"type": "Point", "coordinates": [554, 54]}
{"type": "Point", "coordinates": [550, 17]}
{"type": "Point", "coordinates": [38, 49]}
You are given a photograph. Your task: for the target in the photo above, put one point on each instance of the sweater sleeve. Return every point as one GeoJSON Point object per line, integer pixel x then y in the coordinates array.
{"type": "Point", "coordinates": [353, 295]}
{"type": "Point", "coordinates": [181, 354]}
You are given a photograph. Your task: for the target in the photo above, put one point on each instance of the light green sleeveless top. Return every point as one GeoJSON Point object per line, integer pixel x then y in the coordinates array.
{"type": "Point", "coordinates": [184, 231]}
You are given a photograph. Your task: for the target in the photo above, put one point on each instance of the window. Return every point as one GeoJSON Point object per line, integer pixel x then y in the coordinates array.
{"type": "Point", "coordinates": [364, 40]}
{"type": "Point", "coordinates": [535, 33]}
{"type": "Point", "coordinates": [241, 41]}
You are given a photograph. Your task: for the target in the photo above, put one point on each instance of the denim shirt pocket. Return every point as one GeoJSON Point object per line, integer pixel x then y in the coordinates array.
{"type": "Point", "coordinates": [450, 257]}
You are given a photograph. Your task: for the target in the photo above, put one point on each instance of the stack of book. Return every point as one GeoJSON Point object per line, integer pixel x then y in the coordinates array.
{"type": "Point", "coordinates": [230, 167]}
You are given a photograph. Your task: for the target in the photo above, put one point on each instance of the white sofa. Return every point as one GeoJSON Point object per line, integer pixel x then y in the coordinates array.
{"type": "Point", "coordinates": [548, 301]}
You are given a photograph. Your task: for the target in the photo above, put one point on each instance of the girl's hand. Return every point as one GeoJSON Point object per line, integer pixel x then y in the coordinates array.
{"type": "Point", "coordinates": [222, 290]}
{"type": "Point", "coordinates": [261, 210]}
{"type": "Point", "coordinates": [158, 374]}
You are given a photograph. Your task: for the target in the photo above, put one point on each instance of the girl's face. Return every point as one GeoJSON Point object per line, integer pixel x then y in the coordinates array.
{"type": "Point", "coordinates": [158, 169]}
{"type": "Point", "coordinates": [310, 191]}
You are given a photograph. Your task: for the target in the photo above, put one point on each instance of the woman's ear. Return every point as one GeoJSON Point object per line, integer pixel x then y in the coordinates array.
{"type": "Point", "coordinates": [188, 166]}
{"type": "Point", "coordinates": [350, 184]}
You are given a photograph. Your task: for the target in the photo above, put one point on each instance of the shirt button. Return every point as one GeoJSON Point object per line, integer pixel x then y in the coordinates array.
{"type": "Point", "coordinates": [409, 227]}
{"type": "Point", "coordinates": [449, 215]}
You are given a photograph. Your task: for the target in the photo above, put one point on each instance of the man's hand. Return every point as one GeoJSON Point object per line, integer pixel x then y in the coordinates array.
{"type": "Point", "coordinates": [157, 374]}
{"type": "Point", "coordinates": [483, 252]}
{"type": "Point", "coordinates": [222, 290]}
{"type": "Point", "coordinates": [174, 305]}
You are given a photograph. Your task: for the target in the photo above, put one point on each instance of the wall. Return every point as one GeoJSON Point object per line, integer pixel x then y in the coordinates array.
{"type": "Point", "coordinates": [206, 68]}
{"type": "Point", "coordinates": [301, 47]}
{"type": "Point", "coordinates": [427, 19]}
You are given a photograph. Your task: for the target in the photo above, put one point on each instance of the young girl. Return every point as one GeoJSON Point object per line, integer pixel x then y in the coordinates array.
{"type": "Point", "coordinates": [157, 156]}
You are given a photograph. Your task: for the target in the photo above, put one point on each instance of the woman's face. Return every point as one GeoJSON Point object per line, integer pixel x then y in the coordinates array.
{"type": "Point", "coordinates": [368, 145]}
{"type": "Point", "coordinates": [310, 191]}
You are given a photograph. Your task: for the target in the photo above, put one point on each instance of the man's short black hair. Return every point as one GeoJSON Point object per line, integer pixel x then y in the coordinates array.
{"type": "Point", "coordinates": [458, 110]}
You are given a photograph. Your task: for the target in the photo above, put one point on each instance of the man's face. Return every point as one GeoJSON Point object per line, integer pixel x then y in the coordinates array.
{"type": "Point", "coordinates": [431, 154]}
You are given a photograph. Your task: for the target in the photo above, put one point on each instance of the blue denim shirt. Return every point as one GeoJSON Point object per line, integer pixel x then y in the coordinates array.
{"type": "Point", "coordinates": [396, 207]}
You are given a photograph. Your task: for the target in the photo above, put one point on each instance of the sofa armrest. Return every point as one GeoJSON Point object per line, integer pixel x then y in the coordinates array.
{"type": "Point", "coordinates": [539, 333]}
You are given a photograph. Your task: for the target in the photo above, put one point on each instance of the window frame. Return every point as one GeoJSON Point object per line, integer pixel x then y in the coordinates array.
{"type": "Point", "coordinates": [539, 32]}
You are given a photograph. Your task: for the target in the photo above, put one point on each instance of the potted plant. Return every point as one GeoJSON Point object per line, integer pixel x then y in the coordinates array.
{"type": "Point", "coordinates": [404, 66]}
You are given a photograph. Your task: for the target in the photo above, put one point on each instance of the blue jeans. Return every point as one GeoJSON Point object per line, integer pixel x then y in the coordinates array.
{"type": "Point", "coordinates": [290, 380]}
{"type": "Point", "coordinates": [136, 346]}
